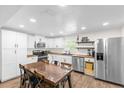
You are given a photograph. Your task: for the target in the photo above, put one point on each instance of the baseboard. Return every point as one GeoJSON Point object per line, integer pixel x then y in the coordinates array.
{"type": "Point", "coordinates": [10, 79]}
{"type": "Point", "coordinates": [110, 82]}
{"type": "Point", "coordinates": [78, 71]}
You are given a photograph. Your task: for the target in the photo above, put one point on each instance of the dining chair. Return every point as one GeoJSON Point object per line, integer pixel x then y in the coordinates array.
{"type": "Point", "coordinates": [33, 80]}
{"type": "Point", "coordinates": [40, 78]}
{"type": "Point", "coordinates": [68, 67]}
{"type": "Point", "coordinates": [55, 62]}
{"type": "Point", "coordinates": [23, 78]}
{"type": "Point", "coordinates": [41, 81]}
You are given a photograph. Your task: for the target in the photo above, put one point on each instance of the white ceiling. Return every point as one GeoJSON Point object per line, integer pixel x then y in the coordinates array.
{"type": "Point", "coordinates": [53, 19]}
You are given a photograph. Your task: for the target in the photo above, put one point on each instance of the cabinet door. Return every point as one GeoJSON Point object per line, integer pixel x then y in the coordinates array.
{"type": "Point", "coordinates": [59, 43]}
{"type": "Point", "coordinates": [50, 58]}
{"type": "Point", "coordinates": [8, 39]}
{"type": "Point", "coordinates": [21, 40]}
{"type": "Point", "coordinates": [50, 43]}
{"type": "Point", "coordinates": [8, 64]}
{"type": "Point", "coordinates": [68, 59]}
{"type": "Point", "coordinates": [8, 71]}
{"type": "Point", "coordinates": [8, 56]}
{"type": "Point", "coordinates": [30, 41]}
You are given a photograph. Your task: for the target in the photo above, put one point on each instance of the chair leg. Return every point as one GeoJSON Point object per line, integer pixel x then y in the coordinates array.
{"type": "Point", "coordinates": [21, 83]}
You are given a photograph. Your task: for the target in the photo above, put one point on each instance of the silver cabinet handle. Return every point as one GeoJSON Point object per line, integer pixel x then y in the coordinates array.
{"type": "Point", "coordinates": [15, 51]}
{"type": "Point", "coordinates": [15, 45]}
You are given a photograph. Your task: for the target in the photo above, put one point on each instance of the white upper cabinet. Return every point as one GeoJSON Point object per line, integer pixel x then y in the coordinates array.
{"type": "Point", "coordinates": [38, 38]}
{"type": "Point", "coordinates": [59, 42]}
{"type": "Point", "coordinates": [55, 43]}
{"type": "Point", "coordinates": [30, 41]}
{"type": "Point", "coordinates": [21, 40]}
{"type": "Point", "coordinates": [9, 39]}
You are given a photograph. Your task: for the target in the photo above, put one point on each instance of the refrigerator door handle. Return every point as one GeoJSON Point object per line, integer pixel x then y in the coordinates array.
{"type": "Point", "coordinates": [106, 59]}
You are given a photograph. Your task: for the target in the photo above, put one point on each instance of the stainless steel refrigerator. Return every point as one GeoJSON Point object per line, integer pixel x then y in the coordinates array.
{"type": "Point", "coordinates": [109, 56]}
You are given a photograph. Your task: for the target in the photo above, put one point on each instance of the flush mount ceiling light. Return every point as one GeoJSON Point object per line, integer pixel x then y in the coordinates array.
{"type": "Point", "coordinates": [21, 26]}
{"type": "Point", "coordinates": [32, 20]}
{"type": "Point", "coordinates": [83, 28]}
{"type": "Point", "coordinates": [105, 23]}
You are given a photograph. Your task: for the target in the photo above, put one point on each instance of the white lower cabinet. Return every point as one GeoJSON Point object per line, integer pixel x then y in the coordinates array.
{"type": "Point", "coordinates": [60, 58]}
{"type": "Point", "coordinates": [9, 71]}
{"type": "Point", "coordinates": [32, 59]}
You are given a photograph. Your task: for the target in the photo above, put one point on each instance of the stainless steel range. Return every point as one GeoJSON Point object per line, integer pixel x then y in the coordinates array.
{"type": "Point", "coordinates": [41, 54]}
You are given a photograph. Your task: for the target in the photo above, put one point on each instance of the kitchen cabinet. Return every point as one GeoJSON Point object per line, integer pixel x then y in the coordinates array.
{"type": "Point", "coordinates": [55, 42]}
{"type": "Point", "coordinates": [38, 38]}
{"type": "Point", "coordinates": [14, 52]}
{"type": "Point", "coordinates": [32, 59]}
{"type": "Point", "coordinates": [60, 58]}
{"type": "Point", "coordinates": [31, 41]}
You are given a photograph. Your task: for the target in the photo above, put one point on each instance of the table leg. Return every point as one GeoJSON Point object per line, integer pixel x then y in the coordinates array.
{"type": "Point", "coordinates": [69, 81]}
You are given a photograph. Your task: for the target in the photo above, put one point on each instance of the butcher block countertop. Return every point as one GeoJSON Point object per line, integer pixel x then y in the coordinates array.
{"type": "Point", "coordinates": [76, 55]}
{"type": "Point", "coordinates": [59, 53]}
{"type": "Point", "coordinates": [83, 56]}
{"type": "Point", "coordinates": [31, 55]}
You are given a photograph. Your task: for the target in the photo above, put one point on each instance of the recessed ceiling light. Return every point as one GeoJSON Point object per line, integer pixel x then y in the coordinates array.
{"type": "Point", "coordinates": [21, 26]}
{"type": "Point", "coordinates": [32, 20]}
{"type": "Point", "coordinates": [83, 28]}
{"type": "Point", "coordinates": [62, 5]}
{"type": "Point", "coordinates": [51, 34]}
{"type": "Point", "coordinates": [61, 32]}
{"type": "Point", "coordinates": [105, 23]}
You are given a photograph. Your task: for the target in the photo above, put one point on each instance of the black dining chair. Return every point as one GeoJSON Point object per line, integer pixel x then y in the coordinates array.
{"type": "Point", "coordinates": [55, 62]}
{"type": "Point", "coordinates": [33, 80]}
{"type": "Point", "coordinates": [23, 78]}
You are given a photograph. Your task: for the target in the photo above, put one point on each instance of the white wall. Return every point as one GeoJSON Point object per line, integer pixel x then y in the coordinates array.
{"type": "Point", "coordinates": [102, 34]}
{"type": "Point", "coordinates": [94, 35]}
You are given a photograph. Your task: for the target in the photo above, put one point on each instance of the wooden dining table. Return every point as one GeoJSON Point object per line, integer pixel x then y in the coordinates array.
{"type": "Point", "coordinates": [53, 74]}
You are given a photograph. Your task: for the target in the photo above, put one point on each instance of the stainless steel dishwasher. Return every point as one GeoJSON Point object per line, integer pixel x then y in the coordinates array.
{"type": "Point", "coordinates": [78, 64]}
